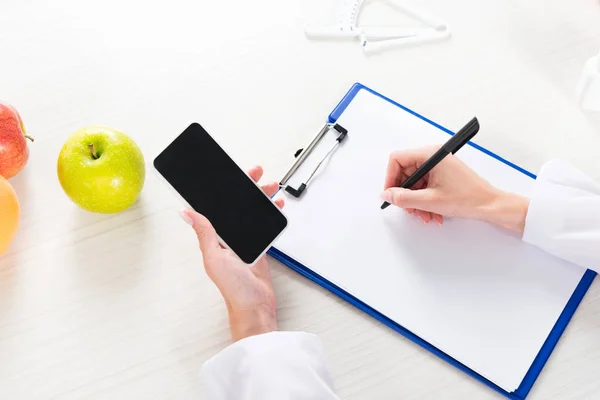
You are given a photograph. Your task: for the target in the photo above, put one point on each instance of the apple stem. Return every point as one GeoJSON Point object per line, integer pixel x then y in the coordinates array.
{"type": "Point", "coordinates": [29, 137]}
{"type": "Point", "coordinates": [94, 155]}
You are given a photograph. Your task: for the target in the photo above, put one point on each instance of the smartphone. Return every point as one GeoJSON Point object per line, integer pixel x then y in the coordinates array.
{"type": "Point", "coordinates": [247, 221]}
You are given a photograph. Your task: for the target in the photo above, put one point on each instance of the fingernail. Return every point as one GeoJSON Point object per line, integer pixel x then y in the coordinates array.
{"type": "Point", "coordinates": [386, 196]}
{"type": "Point", "coordinates": [186, 218]}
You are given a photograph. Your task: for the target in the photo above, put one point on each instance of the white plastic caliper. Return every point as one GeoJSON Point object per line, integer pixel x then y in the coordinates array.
{"type": "Point", "coordinates": [375, 39]}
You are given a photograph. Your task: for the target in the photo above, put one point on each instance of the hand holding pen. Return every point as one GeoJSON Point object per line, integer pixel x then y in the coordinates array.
{"type": "Point", "coordinates": [450, 147]}
{"type": "Point", "coordinates": [452, 189]}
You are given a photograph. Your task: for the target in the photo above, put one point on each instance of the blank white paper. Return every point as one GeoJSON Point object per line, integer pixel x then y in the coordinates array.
{"type": "Point", "coordinates": [476, 292]}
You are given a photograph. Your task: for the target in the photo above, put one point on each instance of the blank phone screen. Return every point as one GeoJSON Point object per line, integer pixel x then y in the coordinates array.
{"type": "Point", "coordinates": [213, 185]}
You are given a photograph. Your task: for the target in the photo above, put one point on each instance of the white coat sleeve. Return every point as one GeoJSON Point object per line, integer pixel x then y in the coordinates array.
{"type": "Point", "coordinates": [272, 366]}
{"type": "Point", "coordinates": [564, 215]}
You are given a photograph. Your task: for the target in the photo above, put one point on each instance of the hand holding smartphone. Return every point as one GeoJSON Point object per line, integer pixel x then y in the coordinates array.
{"type": "Point", "coordinates": [246, 220]}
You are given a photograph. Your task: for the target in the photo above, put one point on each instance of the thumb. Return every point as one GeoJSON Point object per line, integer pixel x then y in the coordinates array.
{"type": "Point", "coordinates": [407, 198]}
{"type": "Point", "coordinates": [207, 236]}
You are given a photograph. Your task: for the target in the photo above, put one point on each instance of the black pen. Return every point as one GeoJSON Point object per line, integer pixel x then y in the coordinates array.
{"type": "Point", "coordinates": [450, 147]}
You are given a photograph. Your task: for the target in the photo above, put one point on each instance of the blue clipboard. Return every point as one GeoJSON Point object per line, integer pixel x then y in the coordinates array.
{"type": "Point", "coordinates": [548, 346]}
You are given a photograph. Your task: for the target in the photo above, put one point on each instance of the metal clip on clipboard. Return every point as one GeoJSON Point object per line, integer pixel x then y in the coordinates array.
{"type": "Point", "coordinates": [302, 154]}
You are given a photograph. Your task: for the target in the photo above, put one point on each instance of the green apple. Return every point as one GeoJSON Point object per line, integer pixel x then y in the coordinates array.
{"type": "Point", "coordinates": [101, 169]}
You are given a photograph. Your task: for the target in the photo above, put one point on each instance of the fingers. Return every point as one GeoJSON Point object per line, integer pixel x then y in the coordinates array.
{"type": "Point", "coordinates": [404, 163]}
{"type": "Point", "coordinates": [207, 236]}
{"type": "Point", "coordinates": [406, 198]}
{"type": "Point", "coordinates": [424, 215]}
{"type": "Point", "coordinates": [256, 173]}
{"type": "Point", "coordinates": [431, 217]}
{"type": "Point", "coordinates": [422, 183]}
{"type": "Point", "coordinates": [270, 188]}
{"type": "Point", "coordinates": [393, 176]}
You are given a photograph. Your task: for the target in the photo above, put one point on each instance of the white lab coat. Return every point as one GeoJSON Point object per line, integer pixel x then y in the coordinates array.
{"type": "Point", "coordinates": [563, 219]}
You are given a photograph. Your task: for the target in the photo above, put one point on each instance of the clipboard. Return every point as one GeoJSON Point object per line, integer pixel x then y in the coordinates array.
{"type": "Point", "coordinates": [556, 332]}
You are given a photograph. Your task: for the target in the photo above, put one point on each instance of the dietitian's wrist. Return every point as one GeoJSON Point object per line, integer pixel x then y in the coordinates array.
{"type": "Point", "coordinates": [507, 210]}
{"type": "Point", "coordinates": [251, 323]}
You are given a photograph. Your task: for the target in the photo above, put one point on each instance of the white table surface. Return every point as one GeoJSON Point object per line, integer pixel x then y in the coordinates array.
{"type": "Point", "coordinates": [119, 306]}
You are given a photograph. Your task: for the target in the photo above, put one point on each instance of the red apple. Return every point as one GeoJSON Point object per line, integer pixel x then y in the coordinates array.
{"type": "Point", "coordinates": [14, 152]}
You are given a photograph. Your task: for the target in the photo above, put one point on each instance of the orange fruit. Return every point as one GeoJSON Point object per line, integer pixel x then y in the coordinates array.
{"type": "Point", "coordinates": [9, 214]}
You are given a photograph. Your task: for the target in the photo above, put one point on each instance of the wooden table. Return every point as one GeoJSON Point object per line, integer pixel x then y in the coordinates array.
{"type": "Point", "coordinates": [119, 307]}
